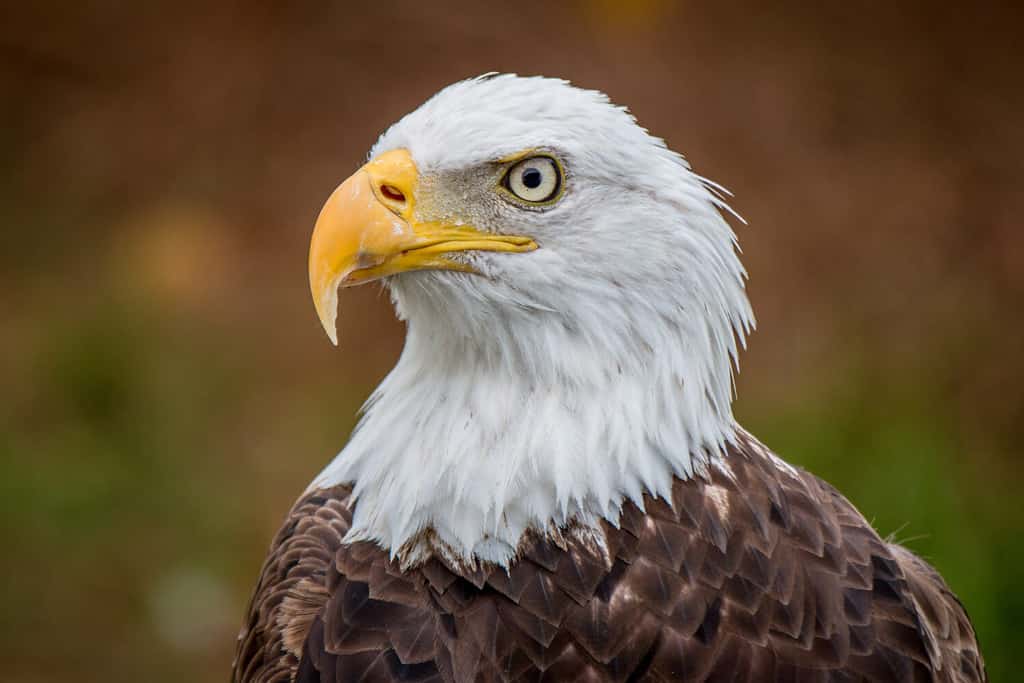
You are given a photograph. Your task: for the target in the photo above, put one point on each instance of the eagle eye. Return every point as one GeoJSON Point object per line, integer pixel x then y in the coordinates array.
{"type": "Point", "coordinates": [536, 180]}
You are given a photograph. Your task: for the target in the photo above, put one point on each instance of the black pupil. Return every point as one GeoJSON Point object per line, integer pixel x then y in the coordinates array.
{"type": "Point", "coordinates": [532, 178]}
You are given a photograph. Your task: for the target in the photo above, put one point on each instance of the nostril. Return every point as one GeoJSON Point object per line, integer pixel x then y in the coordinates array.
{"type": "Point", "coordinates": [392, 193]}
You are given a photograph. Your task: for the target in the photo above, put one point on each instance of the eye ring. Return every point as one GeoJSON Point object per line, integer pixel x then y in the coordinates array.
{"type": "Point", "coordinates": [535, 180]}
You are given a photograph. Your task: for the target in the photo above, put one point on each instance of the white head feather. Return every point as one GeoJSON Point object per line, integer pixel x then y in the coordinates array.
{"type": "Point", "coordinates": [562, 381]}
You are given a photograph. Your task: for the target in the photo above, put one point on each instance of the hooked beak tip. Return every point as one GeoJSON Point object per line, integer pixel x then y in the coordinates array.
{"type": "Point", "coordinates": [327, 310]}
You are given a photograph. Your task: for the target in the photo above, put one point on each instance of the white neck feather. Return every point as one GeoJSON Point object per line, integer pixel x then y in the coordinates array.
{"type": "Point", "coordinates": [498, 420]}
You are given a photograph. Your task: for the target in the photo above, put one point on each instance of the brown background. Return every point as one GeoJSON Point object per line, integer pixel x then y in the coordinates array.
{"type": "Point", "coordinates": [167, 391]}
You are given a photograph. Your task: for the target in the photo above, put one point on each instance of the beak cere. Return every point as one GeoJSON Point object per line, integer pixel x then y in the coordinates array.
{"type": "Point", "coordinates": [367, 230]}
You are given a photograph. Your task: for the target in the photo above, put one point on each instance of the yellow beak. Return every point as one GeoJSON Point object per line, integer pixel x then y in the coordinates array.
{"type": "Point", "coordinates": [367, 230]}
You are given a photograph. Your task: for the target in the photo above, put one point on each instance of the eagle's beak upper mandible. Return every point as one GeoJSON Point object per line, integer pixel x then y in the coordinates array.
{"type": "Point", "coordinates": [367, 230]}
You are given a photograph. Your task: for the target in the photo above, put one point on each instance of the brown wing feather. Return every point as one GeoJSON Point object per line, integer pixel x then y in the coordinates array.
{"type": "Point", "coordinates": [292, 591]}
{"type": "Point", "coordinates": [754, 572]}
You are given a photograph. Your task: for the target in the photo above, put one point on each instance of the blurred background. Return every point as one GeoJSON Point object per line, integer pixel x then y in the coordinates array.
{"type": "Point", "coordinates": [166, 390]}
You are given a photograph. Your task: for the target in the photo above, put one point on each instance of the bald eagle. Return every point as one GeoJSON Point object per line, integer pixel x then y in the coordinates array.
{"type": "Point", "coordinates": [550, 484]}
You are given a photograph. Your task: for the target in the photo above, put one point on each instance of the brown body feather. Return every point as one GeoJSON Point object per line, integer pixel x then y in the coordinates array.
{"type": "Point", "coordinates": [753, 572]}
